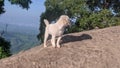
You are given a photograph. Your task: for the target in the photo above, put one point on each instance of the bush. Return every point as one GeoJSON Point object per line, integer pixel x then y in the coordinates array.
{"type": "Point", "coordinates": [101, 19]}
{"type": "Point", "coordinates": [4, 48]}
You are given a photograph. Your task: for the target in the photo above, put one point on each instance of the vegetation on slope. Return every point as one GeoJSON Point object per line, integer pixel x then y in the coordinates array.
{"type": "Point", "coordinates": [4, 48]}
{"type": "Point", "coordinates": [20, 41]}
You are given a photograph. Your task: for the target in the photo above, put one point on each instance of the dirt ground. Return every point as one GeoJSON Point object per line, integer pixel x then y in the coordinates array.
{"type": "Point", "coordinates": [99, 48]}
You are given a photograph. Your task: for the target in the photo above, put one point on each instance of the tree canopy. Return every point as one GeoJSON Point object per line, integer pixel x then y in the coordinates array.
{"type": "Point", "coordinates": [1, 6]}
{"type": "Point", "coordinates": [87, 14]}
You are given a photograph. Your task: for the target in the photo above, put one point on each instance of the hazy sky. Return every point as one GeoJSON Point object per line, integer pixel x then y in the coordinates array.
{"type": "Point", "coordinates": [18, 16]}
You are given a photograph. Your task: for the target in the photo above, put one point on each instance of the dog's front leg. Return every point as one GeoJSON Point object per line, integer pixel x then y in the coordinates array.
{"type": "Point", "coordinates": [53, 41]}
{"type": "Point", "coordinates": [58, 42]}
{"type": "Point", "coordinates": [45, 38]}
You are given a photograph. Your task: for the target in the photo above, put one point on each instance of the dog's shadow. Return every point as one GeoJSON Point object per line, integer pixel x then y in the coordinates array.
{"type": "Point", "coordinates": [72, 38]}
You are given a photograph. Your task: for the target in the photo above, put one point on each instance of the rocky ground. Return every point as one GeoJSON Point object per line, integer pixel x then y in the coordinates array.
{"type": "Point", "coordinates": [99, 48]}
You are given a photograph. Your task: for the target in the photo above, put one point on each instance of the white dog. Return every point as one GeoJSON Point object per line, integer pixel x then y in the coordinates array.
{"type": "Point", "coordinates": [56, 30]}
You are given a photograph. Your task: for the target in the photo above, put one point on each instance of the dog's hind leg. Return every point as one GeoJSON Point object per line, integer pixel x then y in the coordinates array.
{"type": "Point", "coordinates": [58, 42]}
{"type": "Point", "coordinates": [53, 41]}
{"type": "Point", "coordinates": [45, 38]}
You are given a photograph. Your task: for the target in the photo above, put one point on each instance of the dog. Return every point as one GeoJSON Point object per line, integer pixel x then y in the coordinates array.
{"type": "Point", "coordinates": [56, 30]}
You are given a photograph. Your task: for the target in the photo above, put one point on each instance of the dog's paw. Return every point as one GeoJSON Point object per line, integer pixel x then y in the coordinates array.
{"type": "Point", "coordinates": [53, 46]}
{"type": "Point", "coordinates": [45, 46]}
{"type": "Point", "coordinates": [58, 46]}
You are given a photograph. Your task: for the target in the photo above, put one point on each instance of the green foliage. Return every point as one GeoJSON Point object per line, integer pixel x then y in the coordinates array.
{"type": "Point", "coordinates": [104, 4]}
{"type": "Point", "coordinates": [101, 19]}
{"type": "Point", "coordinates": [1, 6]}
{"type": "Point", "coordinates": [4, 48]}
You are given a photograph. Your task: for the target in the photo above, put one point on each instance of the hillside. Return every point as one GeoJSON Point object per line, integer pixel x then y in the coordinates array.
{"type": "Point", "coordinates": [20, 41]}
{"type": "Point", "coordinates": [98, 48]}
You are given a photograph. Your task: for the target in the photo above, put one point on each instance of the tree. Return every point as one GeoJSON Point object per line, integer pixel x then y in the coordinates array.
{"type": "Point", "coordinates": [1, 6]}
{"type": "Point", "coordinates": [4, 48]}
{"type": "Point", "coordinates": [104, 4]}
{"type": "Point", "coordinates": [88, 14]}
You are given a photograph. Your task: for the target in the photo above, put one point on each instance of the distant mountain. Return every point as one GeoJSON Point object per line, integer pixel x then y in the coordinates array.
{"type": "Point", "coordinates": [19, 28]}
{"type": "Point", "coordinates": [20, 37]}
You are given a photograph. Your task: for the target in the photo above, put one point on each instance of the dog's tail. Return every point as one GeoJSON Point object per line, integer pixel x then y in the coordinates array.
{"type": "Point", "coordinates": [46, 22]}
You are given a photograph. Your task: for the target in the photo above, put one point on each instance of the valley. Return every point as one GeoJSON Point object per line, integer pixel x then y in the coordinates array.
{"type": "Point", "coordinates": [20, 37]}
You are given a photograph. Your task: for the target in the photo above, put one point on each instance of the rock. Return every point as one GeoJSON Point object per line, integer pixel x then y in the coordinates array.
{"type": "Point", "coordinates": [89, 49]}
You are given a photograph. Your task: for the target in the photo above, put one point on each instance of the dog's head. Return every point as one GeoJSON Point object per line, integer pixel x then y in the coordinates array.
{"type": "Point", "coordinates": [65, 20]}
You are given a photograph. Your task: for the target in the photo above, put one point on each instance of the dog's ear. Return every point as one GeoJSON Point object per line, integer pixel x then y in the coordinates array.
{"type": "Point", "coordinates": [64, 19]}
{"type": "Point", "coordinates": [67, 20]}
